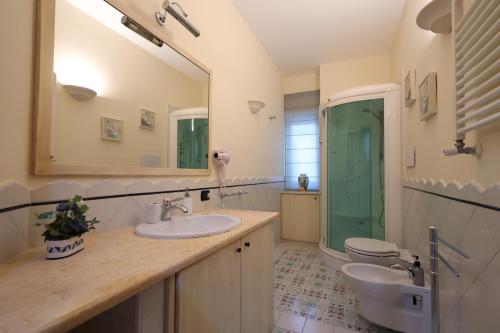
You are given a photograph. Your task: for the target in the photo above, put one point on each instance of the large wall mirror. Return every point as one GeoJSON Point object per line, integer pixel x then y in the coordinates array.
{"type": "Point", "coordinates": [113, 98]}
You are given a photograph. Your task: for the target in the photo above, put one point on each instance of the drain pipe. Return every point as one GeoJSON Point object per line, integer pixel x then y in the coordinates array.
{"type": "Point", "coordinates": [434, 260]}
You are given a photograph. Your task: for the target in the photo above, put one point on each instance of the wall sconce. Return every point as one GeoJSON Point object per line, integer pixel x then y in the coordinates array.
{"type": "Point", "coordinates": [255, 106]}
{"type": "Point", "coordinates": [79, 93]}
{"type": "Point", "coordinates": [436, 17]}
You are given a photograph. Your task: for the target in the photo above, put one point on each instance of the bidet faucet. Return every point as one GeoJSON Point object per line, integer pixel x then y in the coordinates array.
{"type": "Point", "coordinates": [408, 268]}
{"type": "Point", "coordinates": [167, 207]}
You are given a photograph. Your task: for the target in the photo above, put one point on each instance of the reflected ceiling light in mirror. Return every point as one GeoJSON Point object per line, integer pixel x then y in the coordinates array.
{"type": "Point", "coordinates": [81, 94]}
{"type": "Point", "coordinates": [79, 77]}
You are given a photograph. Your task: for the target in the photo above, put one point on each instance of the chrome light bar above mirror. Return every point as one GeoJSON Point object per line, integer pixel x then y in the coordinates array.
{"type": "Point", "coordinates": [174, 9]}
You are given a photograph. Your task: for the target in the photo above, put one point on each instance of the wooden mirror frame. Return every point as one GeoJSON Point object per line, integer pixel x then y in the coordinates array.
{"type": "Point", "coordinates": [43, 95]}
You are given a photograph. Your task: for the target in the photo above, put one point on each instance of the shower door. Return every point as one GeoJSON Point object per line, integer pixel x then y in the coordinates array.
{"type": "Point", "coordinates": [355, 171]}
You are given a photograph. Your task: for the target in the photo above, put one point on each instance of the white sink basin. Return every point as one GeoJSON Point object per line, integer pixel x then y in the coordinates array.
{"type": "Point", "coordinates": [188, 227]}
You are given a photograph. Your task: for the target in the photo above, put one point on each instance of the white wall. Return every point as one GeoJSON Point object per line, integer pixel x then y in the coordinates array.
{"type": "Point", "coordinates": [338, 76]}
{"type": "Point", "coordinates": [241, 68]}
{"type": "Point", "coordinates": [301, 83]}
{"type": "Point", "coordinates": [428, 52]}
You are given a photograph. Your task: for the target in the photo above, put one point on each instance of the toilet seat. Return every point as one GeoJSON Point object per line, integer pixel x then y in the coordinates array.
{"type": "Point", "coordinates": [371, 247]}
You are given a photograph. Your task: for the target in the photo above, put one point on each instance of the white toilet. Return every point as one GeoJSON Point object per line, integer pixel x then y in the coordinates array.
{"type": "Point", "coordinates": [374, 251]}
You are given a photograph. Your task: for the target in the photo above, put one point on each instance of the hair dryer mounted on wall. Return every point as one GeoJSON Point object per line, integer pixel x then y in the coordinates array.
{"type": "Point", "coordinates": [221, 159]}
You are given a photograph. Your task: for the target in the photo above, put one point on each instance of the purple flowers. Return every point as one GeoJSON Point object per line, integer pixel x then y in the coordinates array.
{"type": "Point", "coordinates": [62, 207]}
{"type": "Point", "coordinates": [68, 220]}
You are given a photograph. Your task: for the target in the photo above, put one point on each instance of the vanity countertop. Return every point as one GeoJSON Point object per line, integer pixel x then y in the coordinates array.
{"type": "Point", "coordinates": [39, 295]}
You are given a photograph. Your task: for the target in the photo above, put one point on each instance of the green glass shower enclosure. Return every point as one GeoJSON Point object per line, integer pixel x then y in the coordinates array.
{"type": "Point", "coordinates": [355, 171]}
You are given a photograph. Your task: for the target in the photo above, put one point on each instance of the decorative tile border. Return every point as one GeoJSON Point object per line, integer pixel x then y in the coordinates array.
{"type": "Point", "coordinates": [38, 195]}
{"type": "Point", "coordinates": [117, 205]}
{"type": "Point", "coordinates": [471, 193]}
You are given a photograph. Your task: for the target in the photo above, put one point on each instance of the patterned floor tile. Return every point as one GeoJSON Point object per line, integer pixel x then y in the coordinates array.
{"type": "Point", "coordinates": [305, 287]}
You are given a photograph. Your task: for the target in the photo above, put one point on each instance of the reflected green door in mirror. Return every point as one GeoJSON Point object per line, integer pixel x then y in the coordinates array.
{"type": "Point", "coordinates": [192, 143]}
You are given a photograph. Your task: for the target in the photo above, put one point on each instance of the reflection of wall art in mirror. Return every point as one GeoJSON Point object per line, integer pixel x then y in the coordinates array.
{"type": "Point", "coordinates": [147, 119]}
{"type": "Point", "coordinates": [111, 129]}
{"type": "Point", "coordinates": [427, 96]}
{"type": "Point", "coordinates": [409, 87]}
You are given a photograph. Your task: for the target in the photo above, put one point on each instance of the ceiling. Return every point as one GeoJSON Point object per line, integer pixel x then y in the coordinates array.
{"type": "Point", "coordinates": [300, 35]}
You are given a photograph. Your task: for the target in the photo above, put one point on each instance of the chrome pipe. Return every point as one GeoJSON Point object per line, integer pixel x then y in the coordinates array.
{"type": "Point", "coordinates": [227, 194]}
{"type": "Point", "coordinates": [454, 248]}
{"type": "Point", "coordinates": [434, 261]}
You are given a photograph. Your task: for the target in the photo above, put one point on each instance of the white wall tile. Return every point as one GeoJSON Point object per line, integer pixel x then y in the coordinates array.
{"type": "Point", "coordinates": [104, 210]}
{"type": "Point", "coordinates": [491, 196]}
{"type": "Point", "coordinates": [11, 239]}
{"type": "Point", "coordinates": [476, 241]}
{"type": "Point", "coordinates": [21, 219]}
{"type": "Point", "coordinates": [456, 219]}
{"type": "Point", "coordinates": [13, 194]}
{"type": "Point", "coordinates": [492, 220]}
{"type": "Point", "coordinates": [449, 321]}
{"type": "Point", "coordinates": [144, 186]}
{"type": "Point", "coordinates": [58, 191]}
{"type": "Point", "coordinates": [129, 214]}
{"type": "Point", "coordinates": [468, 303]}
{"type": "Point", "coordinates": [105, 188]}
{"type": "Point", "coordinates": [478, 308]}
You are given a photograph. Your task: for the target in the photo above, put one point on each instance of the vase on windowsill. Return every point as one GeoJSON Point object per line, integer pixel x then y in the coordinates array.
{"type": "Point", "coordinates": [303, 182]}
{"type": "Point", "coordinates": [64, 228]}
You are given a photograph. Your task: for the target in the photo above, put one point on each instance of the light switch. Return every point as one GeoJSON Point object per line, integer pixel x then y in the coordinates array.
{"type": "Point", "coordinates": [410, 156]}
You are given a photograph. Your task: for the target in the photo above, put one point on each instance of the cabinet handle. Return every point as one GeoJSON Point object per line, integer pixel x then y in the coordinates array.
{"type": "Point", "coordinates": [247, 244]}
{"type": "Point", "coordinates": [238, 250]}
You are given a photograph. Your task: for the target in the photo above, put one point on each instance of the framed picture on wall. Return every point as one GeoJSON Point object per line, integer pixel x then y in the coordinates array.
{"type": "Point", "coordinates": [147, 119]}
{"type": "Point", "coordinates": [427, 96]}
{"type": "Point", "coordinates": [111, 129]}
{"type": "Point", "coordinates": [409, 87]}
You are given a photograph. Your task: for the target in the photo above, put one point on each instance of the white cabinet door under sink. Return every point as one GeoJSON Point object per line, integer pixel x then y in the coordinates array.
{"type": "Point", "coordinates": [208, 294]}
{"type": "Point", "coordinates": [257, 296]}
{"type": "Point", "coordinates": [231, 291]}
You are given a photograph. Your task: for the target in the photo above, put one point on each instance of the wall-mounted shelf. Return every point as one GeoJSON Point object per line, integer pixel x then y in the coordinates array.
{"type": "Point", "coordinates": [436, 17]}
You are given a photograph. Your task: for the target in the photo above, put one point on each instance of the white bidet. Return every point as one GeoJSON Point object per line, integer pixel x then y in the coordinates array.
{"type": "Point", "coordinates": [389, 298]}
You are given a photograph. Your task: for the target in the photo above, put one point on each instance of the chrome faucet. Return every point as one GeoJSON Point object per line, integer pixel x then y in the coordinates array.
{"type": "Point", "coordinates": [408, 268]}
{"type": "Point", "coordinates": [167, 207]}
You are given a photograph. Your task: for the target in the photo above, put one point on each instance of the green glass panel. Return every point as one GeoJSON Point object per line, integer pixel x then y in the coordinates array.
{"type": "Point", "coordinates": [192, 143]}
{"type": "Point", "coordinates": [355, 172]}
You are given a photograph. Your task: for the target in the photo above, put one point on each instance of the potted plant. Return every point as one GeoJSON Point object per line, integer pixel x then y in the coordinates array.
{"type": "Point", "coordinates": [64, 228]}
